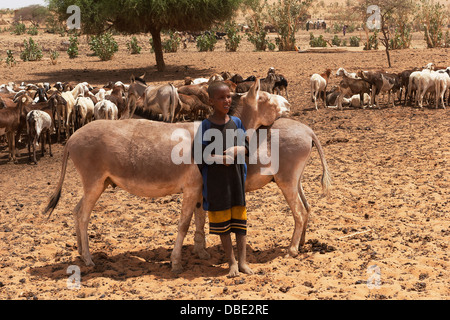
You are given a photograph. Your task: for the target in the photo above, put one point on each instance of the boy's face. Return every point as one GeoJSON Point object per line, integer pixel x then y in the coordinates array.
{"type": "Point", "coordinates": [221, 100]}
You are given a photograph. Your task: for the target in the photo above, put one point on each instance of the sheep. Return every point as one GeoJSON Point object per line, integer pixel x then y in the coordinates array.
{"type": "Point", "coordinates": [319, 84]}
{"type": "Point", "coordinates": [39, 123]}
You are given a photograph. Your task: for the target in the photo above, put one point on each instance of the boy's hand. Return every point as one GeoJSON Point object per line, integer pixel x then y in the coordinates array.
{"type": "Point", "coordinates": [231, 153]}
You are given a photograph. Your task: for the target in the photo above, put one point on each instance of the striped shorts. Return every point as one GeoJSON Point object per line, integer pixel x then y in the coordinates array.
{"type": "Point", "coordinates": [230, 220]}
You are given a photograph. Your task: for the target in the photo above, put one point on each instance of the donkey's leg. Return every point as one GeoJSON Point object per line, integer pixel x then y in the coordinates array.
{"type": "Point", "coordinates": [91, 194]}
{"type": "Point", "coordinates": [305, 212]}
{"type": "Point", "coordinates": [199, 237]}
{"type": "Point", "coordinates": [187, 209]}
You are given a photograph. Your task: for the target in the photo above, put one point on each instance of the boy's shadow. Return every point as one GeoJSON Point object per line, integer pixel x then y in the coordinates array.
{"type": "Point", "coordinates": [154, 262]}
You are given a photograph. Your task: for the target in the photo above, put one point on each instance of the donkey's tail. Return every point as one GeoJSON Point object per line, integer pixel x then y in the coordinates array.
{"type": "Point", "coordinates": [326, 178]}
{"type": "Point", "coordinates": [54, 199]}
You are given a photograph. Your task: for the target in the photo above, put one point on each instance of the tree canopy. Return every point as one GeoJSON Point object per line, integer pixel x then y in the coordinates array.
{"type": "Point", "coordinates": [133, 16]}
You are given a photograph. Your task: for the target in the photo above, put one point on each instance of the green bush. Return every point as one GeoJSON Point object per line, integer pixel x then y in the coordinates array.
{"type": "Point", "coordinates": [18, 29]}
{"type": "Point", "coordinates": [316, 42]}
{"type": "Point", "coordinates": [32, 51]}
{"type": "Point", "coordinates": [33, 30]}
{"type": "Point", "coordinates": [336, 41]}
{"type": "Point", "coordinates": [10, 58]}
{"type": "Point", "coordinates": [373, 42]}
{"type": "Point", "coordinates": [72, 51]}
{"type": "Point", "coordinates": [133, 46]}
{"type": "Point", "coordinates": [354, 41]}
{"type": "Point", "coordinates": [232, 39]}
{"type": "Point", "coordinates": [171, 44]}
{"type": "Point", "coordinates": [54, 56]}
{"type": "Point", "coordinates": [206, 42]}
{"type": "Point", "coordinates": [104, 46]}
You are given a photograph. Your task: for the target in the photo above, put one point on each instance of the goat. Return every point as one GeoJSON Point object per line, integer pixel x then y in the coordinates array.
{"type": "Point", "coordinates": [280, 83]}
{"type": "Point", "coordinates": [442, 84]}
{"type": "Point", "coordinates": [342, 71]}
{"type": "Point", "coordinates": [267, 84]}
{"type": "Point", "coordinates": [40, 95]}
{"type": "Point", "coordinates": [39, 123]}
{"type": "Point", "coordinates": [11, 125]}
{"type": "Point", "coordinates": [58, 106]}
{"type": "Point", "coordinates": [349, 87]}
{"type": "Point", "coordinates": [193, 106]}
{"type": "Point", "coordinates": [135, 92]}
{"type": "Point", "coordinates": [319, 84]}
{"type": "Point", "coordinates": [117, 96]}
{"type": "Point", "coordinates": [381, 82]}
{"type": "Point", "coordinates": [426, 84]}
{"type": "Point", "coordinates": [83, 111]}
{"type": "Point", "coordinates": [106, 109]}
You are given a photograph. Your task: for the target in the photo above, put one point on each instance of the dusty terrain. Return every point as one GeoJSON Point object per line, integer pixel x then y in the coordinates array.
{"type": "Point", "coordinates": [388, 210]}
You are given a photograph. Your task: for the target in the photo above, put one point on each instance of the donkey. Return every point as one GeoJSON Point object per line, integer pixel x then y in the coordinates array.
{"type": "Point", "coordinates": [121, 153]}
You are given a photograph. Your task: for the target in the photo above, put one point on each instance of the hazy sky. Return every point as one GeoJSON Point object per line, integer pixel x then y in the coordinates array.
{"type": "Point", "coordinates": [15, 4]}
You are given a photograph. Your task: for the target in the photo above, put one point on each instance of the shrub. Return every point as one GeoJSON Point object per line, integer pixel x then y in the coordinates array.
{"type": "Point", "coordinates": [18, 29]}
{"type": "Point", "coordinates": [72, 51]}
{"type": "Point", "coordinates": [10, 58]}
{"type": "Point", "coordinates": [354, 41]}
{"type": "Point", "coordinates": [133, 46]}
{"type": "Point", "coordinates": [336, 41]}
{"type": "Point", "coordinates": [32, 51]}
{"type": "Point", "coordinates": [316, 42]}
{"type": "Point", "coordinates": [54, 56]}
{"type": "Point", "coordinates": [232, 39]}
{"type": "Point", "coordinates": [171, 44]}
{"type": "Point", "coordinates": [206, 42]}
{"type": "Point", "coordinates": [32, 30]}
{"type": "Point", "coordinates": [373, 42]}
{"type": "Point", "coordinates": [104, 46]}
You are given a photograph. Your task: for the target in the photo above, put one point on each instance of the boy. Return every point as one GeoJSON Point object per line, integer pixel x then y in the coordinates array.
{"type": "Point", "coordinates": [224, 174]}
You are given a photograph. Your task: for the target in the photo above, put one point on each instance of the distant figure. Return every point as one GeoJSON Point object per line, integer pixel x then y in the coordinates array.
{"type": "Point", "coordinates": [344, 29]}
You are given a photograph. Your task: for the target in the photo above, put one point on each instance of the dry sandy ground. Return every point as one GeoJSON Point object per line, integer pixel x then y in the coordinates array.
{"type": "Point", "coordinates": [386, 219]}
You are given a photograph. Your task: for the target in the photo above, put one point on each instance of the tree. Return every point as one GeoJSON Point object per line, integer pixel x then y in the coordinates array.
{"type": "Point", "coordinates": [287, 16]}
{"type": "Point", "coordinates": [385, 13]}
{"type": "Point", "coordinates": [133, 16]}
{"type": "Point", "coordinates": [433, 17]}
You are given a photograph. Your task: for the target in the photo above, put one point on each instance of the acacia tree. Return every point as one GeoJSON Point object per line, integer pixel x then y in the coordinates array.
{"type": "Point", "coordinates": [153, 16]}
{"type": "Point", "coordinates": [388, 10]}
{"type": "Point", "coordinates": [287, 16]}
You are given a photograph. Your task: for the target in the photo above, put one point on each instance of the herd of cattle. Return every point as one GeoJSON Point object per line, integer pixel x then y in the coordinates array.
{"type": "Point", "coordinates": [63, 108]}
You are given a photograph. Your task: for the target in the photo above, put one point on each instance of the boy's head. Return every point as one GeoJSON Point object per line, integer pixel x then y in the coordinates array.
{"type": "Point", "coordinates": [216, 87]}
{"type": "Point", "coordinates": [219, 96]}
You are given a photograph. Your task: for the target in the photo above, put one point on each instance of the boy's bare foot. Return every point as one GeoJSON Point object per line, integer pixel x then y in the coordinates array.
{"type": "Point", "coordinates": [243, 267]}
{"type": "Point", "coordinates": [234, 271]}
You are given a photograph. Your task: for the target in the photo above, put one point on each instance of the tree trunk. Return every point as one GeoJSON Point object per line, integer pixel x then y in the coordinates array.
{"type": "Point", "coordinates": [157, 47]}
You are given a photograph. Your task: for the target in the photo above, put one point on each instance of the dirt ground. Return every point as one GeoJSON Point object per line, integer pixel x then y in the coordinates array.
{"type": "Point", "coordinates": [387, 217]}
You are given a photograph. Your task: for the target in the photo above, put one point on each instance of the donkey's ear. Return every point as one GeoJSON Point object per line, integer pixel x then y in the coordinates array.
{"type": "Point", "coordinates": [252, 94]}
